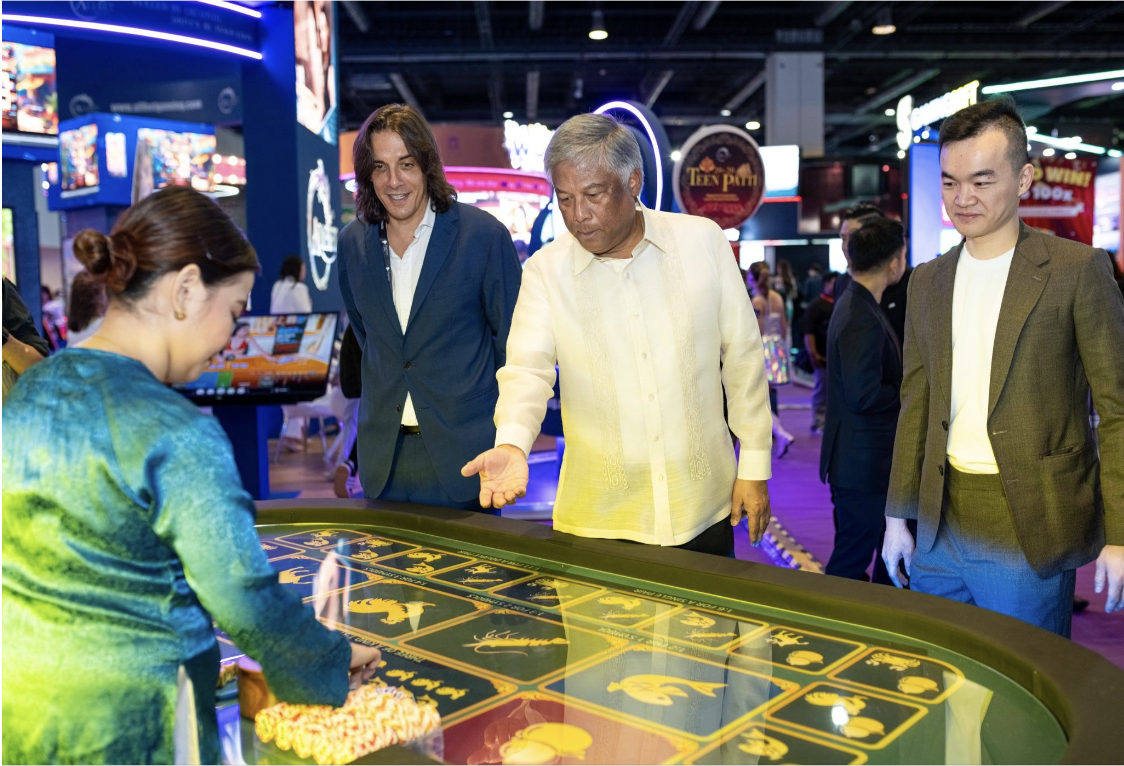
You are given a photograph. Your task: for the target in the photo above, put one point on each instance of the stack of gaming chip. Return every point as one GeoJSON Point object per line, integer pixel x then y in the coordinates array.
{"type": "Point", "coordinates": [372, 718]}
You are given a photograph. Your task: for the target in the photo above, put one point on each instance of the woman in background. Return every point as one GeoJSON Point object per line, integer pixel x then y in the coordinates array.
{"type": "Point", "coordinates": [773, 324]}
{"type": "Point", "coordinates": [88, 304]}
{"type": "Point", "coordinates": [290, 296]}
{"type": "Point", "coordinates": [126, 527]}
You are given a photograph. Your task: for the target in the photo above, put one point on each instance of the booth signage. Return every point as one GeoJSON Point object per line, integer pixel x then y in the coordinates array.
{"type": "Point", "coordinates": [320, 227]}
{"type": "Point", "coordinates": [912, 119]}
{"type": "Point", "coordinates": [1061, 199]}
{"type": "Point", "coordinates": [720, 176]}
{"type": "Point", "coordinates": [526, 145]}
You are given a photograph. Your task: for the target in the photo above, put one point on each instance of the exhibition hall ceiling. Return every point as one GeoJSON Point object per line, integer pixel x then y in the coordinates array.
{"type": "Point", "coordinates": [475, 61]}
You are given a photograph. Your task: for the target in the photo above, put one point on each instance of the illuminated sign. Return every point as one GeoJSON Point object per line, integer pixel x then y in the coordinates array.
{"type": "Point", "coordinates": [720, 175]}
{"type": "Point", "coordinates": [526, 145]}
{"type": "Point", "coordinates": [320, 230]}
{"type": "Point", "coordinates": [911, 119]}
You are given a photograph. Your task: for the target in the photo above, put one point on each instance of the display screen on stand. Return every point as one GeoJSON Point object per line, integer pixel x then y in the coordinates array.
{"type": "Point", "coordinates": [278, 359]}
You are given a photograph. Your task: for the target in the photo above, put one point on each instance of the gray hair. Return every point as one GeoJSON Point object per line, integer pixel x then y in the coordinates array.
{"type": "Point", "coordinates": [595, 139]}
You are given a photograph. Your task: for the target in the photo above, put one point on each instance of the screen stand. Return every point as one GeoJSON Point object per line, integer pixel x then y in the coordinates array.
{"type": "Point", "coordinates": [246, 426]}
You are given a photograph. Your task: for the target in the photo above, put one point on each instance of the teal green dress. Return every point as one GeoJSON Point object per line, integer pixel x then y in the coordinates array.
{"type": "Point", "coordinates": [126, 530]}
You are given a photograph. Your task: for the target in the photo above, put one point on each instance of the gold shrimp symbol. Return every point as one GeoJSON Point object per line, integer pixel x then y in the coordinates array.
{"type": "Point", "coordinates": [851, 704]}
{"type": "Point", "coordinates": [659, 690]}
{"type": "Point", "coordinates": [785, 638]}
{"type": "Point", "coordinates": [508, 642]}
{"type": "Point", "coordinates": [756, 742]}
{"type": "Point", "coordinates": [893, 661]}
{"type": "Point", "coordinates": [543, 743]}
{"type": "Point", "coordinates": [395, 612]}
{"type": "Point", "coordinates": [624, 602]}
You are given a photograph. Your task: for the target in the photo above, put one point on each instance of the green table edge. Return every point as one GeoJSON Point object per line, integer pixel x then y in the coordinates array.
{"type": "Point", "coordinates": [1082, 689]}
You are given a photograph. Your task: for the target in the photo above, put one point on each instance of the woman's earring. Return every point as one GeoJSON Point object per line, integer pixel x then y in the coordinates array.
{"type": "Point", "coordinates": [181, 315]}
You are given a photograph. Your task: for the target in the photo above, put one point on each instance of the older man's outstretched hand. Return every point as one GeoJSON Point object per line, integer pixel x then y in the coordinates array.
{"type": "Point", "coordinates": [503, 475]}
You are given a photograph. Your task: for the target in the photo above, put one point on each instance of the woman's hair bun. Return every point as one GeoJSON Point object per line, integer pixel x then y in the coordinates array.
{"type": "Point", "coordinates": [111, 259]}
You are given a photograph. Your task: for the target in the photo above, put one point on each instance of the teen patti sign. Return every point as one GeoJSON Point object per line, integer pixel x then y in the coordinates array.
{"type": "Point", "coordinates": [720, 176]}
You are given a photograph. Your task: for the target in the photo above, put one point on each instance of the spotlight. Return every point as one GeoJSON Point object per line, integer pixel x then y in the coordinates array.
{"type": "Point", "coordinates": [1118, 85]}
{"type": "Point", "coordinates": [725, 112]}
{"type": "Point", "coordinates": [1071, 155]}
{"type": "Point", "coordinates": [901, 154]}
{"type": "Point", "coordinates": [598, 31]}
{"type": "Point", "coordinates": [1047, 152]}
{"type": "Point", "coordinates": [753, 125]}
{"type": "Point", "coordinates": [508, 115]}
{"type": "Point", "coordinates": [890, 112]}
{"type": "Point", "coordinates": [884, 24]}
{"type": "Point", "coordinates": [676, 155]}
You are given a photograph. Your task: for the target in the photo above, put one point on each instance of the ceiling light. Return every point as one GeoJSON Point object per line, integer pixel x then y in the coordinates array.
{"type": "Point", "coordinates": [885, 168]}
{"type": "Point", "coordinates": [598, 31]}
{"type": "Point", "coordinates": [917, 139]}
{"type": "Point", "coordinates": [676, 155]}
{"type": "Point", "coordinates": [1053, 82]}
{"type": "Point", "coordinates": [901, 154]}
{"type": "Point", "coordinates": [890, 112]}
{"type": "Point", "coordinates": [508, 115]}
{"type": "Point", "coordinates": [725, 112]}
{"type": "Point", "coordinates": [1118, 85]}
{"type": "Point", "coordinates": [753, 125]}
{"type": "Point", "coordinates": [884, 25]}
{"type": "Point", "coordinates": [925, 134]}
{"type": "Point", "coordinates": [1069, 144]}
{"type": "Point", "coordinates": [1114, 152]}
{"type": "Point", "coordinates": [1071, 155]}
{"type": "Point", "coordinates": [1047, 152]}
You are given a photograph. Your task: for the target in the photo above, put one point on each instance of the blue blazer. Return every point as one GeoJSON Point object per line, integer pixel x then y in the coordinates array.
{"type": "Point", "coordinates": [454, 343]}
{"type": "Point", "coordinates": [864, 377]}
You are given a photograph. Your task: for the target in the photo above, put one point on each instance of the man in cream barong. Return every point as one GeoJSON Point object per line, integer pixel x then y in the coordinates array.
{"type": "Point", "coordinates": [648, 321]}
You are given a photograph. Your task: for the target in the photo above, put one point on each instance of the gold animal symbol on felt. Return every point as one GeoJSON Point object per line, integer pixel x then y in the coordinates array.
{"type": "Point", "coordinates": [479, 580]}
{"type": "Point", "coordinates": [659, 690]}
{"type": "Point", "coordinates": [293, 576]}
{"type": "Point", "coordinates": [428, 558]}
{"type": "Point", "coordinates": [481, 569]}
{"type": "Point", "coordinates": [317, 541]}
{"type": "Point", "coordinates": [509, 642]}
{"type": "Point", "coordinates": [425, 699]}
{"type": "Point", "coordinates": [375, 542]}
{"type": "Point", "coordinates": [917, 685]}
{"type": "Point", "coordinates": [426, 684]}
{"type": "Point", "coordinates": [395, 611]}
{"type": "Point", "coordinates": [451, 693]}
{"type": "Point", "coordinates": [784, 638]}
{"type": "Point", "coordinates": [756, 742]}
{"type": "Point", "coordinates": [893, 662]}
{"type": "Point", "coordinates": [860, 728]}
{"type": "Point", "coordinates": [802, 657]}
{"type": "Point", "coordinates": [420, 569]}
{"type": "Point", "coordinates": [268, 547]}
{"type": "Point", "coordinates": [696, 620]}
{"type": "Point", "coordinates": [548, 582]}
{"type": "Point", "coordinates": [623, 615]}
{"type": "Point", "coordinates": [551, 597]}
{"type": "Point", "coordinates": [543, 743]}
{"type": "Point", "coordinates": [365, 555]}
{"type": "Point", "coordinates": [622, 601]}
{"type": "Point", "coordinates": [851, 704]}
{"type": "Point", "coordinates": [401, 675]}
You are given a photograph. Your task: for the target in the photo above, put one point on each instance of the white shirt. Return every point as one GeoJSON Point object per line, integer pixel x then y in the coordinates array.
{"type": "Point", "coordinates": [289, 296]}
{"type": "Point", "coordinates": [404, 274]}
{"type": "Point", "coordinates": [976, 298]}
{"type": "Point", "coordinates": [644, 347]}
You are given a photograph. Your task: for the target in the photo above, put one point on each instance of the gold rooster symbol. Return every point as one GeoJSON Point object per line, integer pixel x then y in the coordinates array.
{"type": "Point", "coordinates": [395, 611]}
{"type": "Point", "coordinates": [785, 638]}
{"type": "Point", "coordinates": [756, 742]}
{"type": "Point", "coordinates": [659, 690]}
{"type": "Point", "coordinates": [852, 704]}
{"type": "Point", "coordinates": [543, 743]}
{"type": "Point", "coordinates": [893, 661]}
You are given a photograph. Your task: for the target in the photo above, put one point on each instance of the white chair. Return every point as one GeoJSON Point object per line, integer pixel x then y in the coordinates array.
{"type": "Point", "coordinates": [346, 412]}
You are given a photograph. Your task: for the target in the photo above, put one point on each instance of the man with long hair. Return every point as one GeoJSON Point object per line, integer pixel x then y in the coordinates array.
{"type": "Point", "coordinates": [430, 285]}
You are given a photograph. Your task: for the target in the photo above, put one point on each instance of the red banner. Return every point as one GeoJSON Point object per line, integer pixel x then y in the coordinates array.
{"type": "Point", "coordinates": [720, 176]}
{"type": "Point", "coordinates": [1060, 200]}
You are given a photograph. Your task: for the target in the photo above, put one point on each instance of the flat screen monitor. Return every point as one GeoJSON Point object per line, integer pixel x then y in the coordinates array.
{"type": "Point", "coordinates": [314, 44]}
{"type": "Point", "coordinates": [174, 158]}
{"type": "Point", "coordinates": [30, 101]}
{"type": "Point", "coordinates": [78, 161]}
{"type": "Point", "coordinates": [277, 359]}
{"type": "Point", "coordinates": [9, 246]}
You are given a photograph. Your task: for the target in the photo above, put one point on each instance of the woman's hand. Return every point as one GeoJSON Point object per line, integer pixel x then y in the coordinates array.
{"type": "Point", "coordinates": [364, 662]}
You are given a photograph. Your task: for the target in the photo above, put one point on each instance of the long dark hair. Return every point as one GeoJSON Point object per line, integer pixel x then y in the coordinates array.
{"type": "Point", "coordinates": [755, 270]}
{"type": "Point", "coordinates": [412, 128]}
{"type": "Point", "coordinates": [87, 301]}
{"type": "Point", "coordinates": [166, 231]}
{"type": "Point", "coordinates": [291, 267]}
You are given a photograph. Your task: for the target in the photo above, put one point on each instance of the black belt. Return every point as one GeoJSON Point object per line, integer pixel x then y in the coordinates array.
{"type": "Point", "coordinates": [409, 430]}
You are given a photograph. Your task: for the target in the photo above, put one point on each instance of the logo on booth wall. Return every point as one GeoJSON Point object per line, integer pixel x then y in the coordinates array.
{"type": "Point", "coordinates": [228, 99]}
{"type": "Point", "coordinates": [320, 228]}
{"type": "Point", "coordinates": [81, 105]}
{"type": "Point", "coordinates": [720, 176]}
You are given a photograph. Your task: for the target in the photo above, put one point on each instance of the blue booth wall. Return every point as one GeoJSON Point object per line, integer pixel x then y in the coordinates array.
{"type": "Point", "coordinates": [19, 195]}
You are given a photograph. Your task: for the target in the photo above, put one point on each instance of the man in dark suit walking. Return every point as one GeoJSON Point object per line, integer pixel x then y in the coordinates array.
{"type": "Point", "coordinates": [864, 367]}
{"type": "Point", "coordinates": [1005, 336]}
{"type": "Point", "coordinates": [430, 285]}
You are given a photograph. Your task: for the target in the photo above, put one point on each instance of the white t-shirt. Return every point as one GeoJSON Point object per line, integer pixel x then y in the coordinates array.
{"type": "Point", "coordinates": [289, 296]}
{"type": "Point", "coordinates": [976, 299]}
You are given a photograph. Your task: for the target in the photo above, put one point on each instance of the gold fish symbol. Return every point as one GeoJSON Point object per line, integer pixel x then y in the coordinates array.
{"type": "Point", "coordinates": [802, 657]}
{"type": "Point", "coordinates": [479, 580]}
{"type": "Point", "coordinates": [917, 685]}
{"type": "Point", "coordinates": [702, 635]}
{"type": "Point", "coordinates": [893, 661]}
{"type": "Point", "coordinates": [509, 642]}
{"type": "Point", "coordinates": [395, 612]}
{"type": "Point", "coordinates": [860, 728]}
{"type": "Point", "coordinates": [784, 638]}
{"type": "Point", "coordinates": [543, 743]}
{"type": "Point", "coordinates": [428, 558]}
{"type": "Point", "coordinates": [481, 569]}
{"type": "Point", "coordinates": [623, 615]}
{"type": "Point", "coordinates": [830, 699]}
{"type": "Point", "coordinates": [622, 601]}
{"type": "Point", "coordinates": [696, 620]}
{"type": "Point", "coordinates": [550, 597]}
{"type": "Point", "coordinates": [659, 690]}
{"type": "Point", "coordinates": [756, 742]}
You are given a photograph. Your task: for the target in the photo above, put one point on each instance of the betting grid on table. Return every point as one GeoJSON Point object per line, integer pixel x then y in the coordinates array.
{"type": "Point", "coordinates": [530, 662]}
